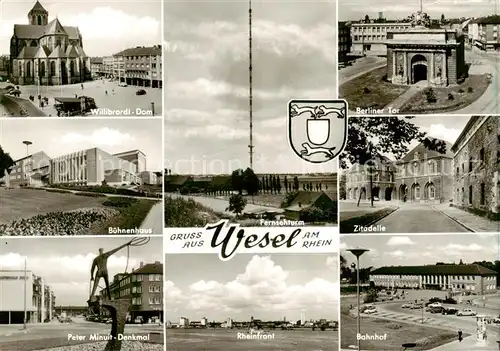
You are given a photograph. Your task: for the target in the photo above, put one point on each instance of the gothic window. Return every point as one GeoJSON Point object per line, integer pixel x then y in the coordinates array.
{"type": "Point", "coordinates": [432, 167]}
{"type": "Point", "coordinates": [28, 69]}
{"type": "Point", "coordinates": [432, 191]}
{"type": "Point", "coordinates": [72, 68]}
{"type": "Point", "coordinates": [39, 20]}
{"type": "Point", "coordinates": [20, 68]}
{"type": "Point", "coordinates": [52, 69]}
{"type": "Point", "coordinates": [34, 43]}
{"type": "Point", "coordinates": [415, 168]}
{"type": "Point", "coordinates": [58, 41]}
{"type": "Point", "coordinates": [42, 69]}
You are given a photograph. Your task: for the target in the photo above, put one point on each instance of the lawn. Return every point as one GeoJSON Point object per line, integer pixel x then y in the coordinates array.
{"type": "Point", "coordinates": [180, 212]}
{"type": "Point", "coordinates": [463, 95]}
{"type": "Point", "coordinates": [40, 212]}
{"type": "Point", "coordinates": [371, 90]}
{"type": "Point", "coordinates": [218, 339]}
{"type": "Point", "coordinates": [398, 333]}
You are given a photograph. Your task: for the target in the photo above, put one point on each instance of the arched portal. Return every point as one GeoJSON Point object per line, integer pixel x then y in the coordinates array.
{"type": "Point", "coordinates": [388, 194]}
{"type": "Point", "coordinates": [418, 69]}
{"type": "Point", "coordinates": [64, 72]}
{"type": "Point", "coordinates": [430, 191]}
{"type": "Point", "coordinates": [363, 193]}
{"type": "Point", "coordinates": [403, 189]}
{"type": "Point", "coordinates": [415, 192]}
{"type": "Point", "coordinates": [376, 192]}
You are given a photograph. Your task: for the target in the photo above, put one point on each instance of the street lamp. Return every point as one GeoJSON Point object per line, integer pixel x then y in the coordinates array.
{"type": "Point", "coordinates": [25, 278]}
{"type": "Point", "coordinates": [27, 143]}
{"type": "Point", "coordinates": [358, 252]}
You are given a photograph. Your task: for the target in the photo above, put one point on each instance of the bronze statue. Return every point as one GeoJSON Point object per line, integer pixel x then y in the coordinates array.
{"type": "Point", "coordinates": [101, 264]}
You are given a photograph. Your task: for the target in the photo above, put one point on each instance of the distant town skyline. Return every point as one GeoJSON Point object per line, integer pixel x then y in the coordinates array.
{"type": "Point", "coordinates": [417, 250]}
{"type": "Point", "coordinates": [293, 57]}
{"type": "Point", "coordinates": [355, 10]}
{"type": "Point", "coordinates": [57, 137]}
{"type": "Point", "coordinates": [267, 287]}
{"type": "Point", "coordinates": [107, 27]}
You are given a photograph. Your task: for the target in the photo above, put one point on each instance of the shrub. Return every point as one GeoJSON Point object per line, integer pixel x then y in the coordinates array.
{"type": "Point", "coordinates": [366, 90]}
{"type": "Point", "coordinates": [461, 90]}
{"type": "Point", "coordinates": [58, 191]}
{"type": "Point", "coordinates": [470, 89]}
{"type": "Point", "coordinates": [120, 202]}
{"type": "Point", "coordinates": [91, 194]}
{"type": "Point", "coordinates": [371, 296]}
{"type": "Point", "coordinates": [430, 95]}
{"type": "Point", "coordinates": [289, 198]}
{"type": "Point", "coordinates": [180, 212]}
{"type": "Point", "coordinates": [450, 96]}
{"type": "Point", "coordinates": [184, 190]}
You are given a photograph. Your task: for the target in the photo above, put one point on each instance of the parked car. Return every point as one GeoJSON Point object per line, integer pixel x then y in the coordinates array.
{"type": "Point", "coordinates": [370, 310]}
{"type": "Point", "coordinates": [496, 320]}
{"type": "Point", "coordinates": [123, 84]}
{"type": "Point", "coordinates": [140, 92]}
{"type": "Point", "coordinates": [449, 311]}
{"type": "Point", "coordinates": [435, 304]}
{"type": "Point", "coordinates": [466, 312]}
{"type": "Point", "coordinates": [416, 306]}
{"type": "Point", "coordinates": [438, 309]}
{"type": "Point", "coordinates": [407, 305]}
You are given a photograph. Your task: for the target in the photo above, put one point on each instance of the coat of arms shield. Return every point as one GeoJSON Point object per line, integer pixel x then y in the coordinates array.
{"type": "Point", "coordinates": [317, 129]}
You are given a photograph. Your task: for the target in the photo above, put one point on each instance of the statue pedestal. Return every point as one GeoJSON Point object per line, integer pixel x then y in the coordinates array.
{"type": "Point", "coordinates": [118, 310]}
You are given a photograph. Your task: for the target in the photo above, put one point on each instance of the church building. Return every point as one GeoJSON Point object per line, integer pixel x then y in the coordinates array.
{"type": "Point", "coordinates": [47, 53]}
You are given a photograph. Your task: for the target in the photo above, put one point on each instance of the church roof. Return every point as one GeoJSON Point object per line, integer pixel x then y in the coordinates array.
{"type": "Point", "coordinates": [42, 52]}
{"type": "Point", "coordinates": [71, 52]}
{"type": "Point", "coordinates": [28, 31]}
{"type": "Point", "coordinates": [80, 51]}
{"type": "Point", "coordinates": [54, 27]}
{"type": "Point", "coordinates": [27, 52]}
{"type": "Point", "coordinates": [38, 7]}
{"type": "Point", "coordinates": [57, 53]}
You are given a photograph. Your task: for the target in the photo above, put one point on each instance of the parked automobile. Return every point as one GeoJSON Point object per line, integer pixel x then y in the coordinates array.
{"type": "Point", "coordinates": [370, 310]}
{"type": "Point", "coordinates": [496, 320]}
{"type": "Point", "coordinates": [140, 92]}
{"type": "Point", "coordinates": [407, 305]}
{"type": "Point", "coordinates": [416, 306]}
{"type": "Point", "coordinates": [466, 312]}
{"type": "Point", "coordinates": [438, 309]}
{"type": "Point", "coordinates": [449, 311]}
{"type": "Point", "coordinates": [122, 84]}
{"type": "Point", "coordinates": [435, 304]}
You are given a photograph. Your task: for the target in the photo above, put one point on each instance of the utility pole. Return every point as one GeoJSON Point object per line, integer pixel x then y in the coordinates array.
{"type": "Point", "coordinates": [370, 168]}
{"type": "Point", "coordinates": [250, 102]}
{"type": "Point", "coordinates": [25, 278]}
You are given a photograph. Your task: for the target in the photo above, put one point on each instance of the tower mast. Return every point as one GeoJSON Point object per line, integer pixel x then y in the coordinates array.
{"type": "Point", "coordinates": [250, 102]}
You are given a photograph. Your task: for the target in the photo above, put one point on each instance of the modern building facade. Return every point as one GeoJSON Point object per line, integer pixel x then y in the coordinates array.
{"type": "Point", "coordinates": [461, 278]}
{"type": "Point", "coordinates": [483, 33]}
{"type": "Point", "coordinates": [435, 57]}
{"type": "Point", "coordinates": [379, 173]}
{"type": "Point", "coordinates": [144, 286]}
{"type": "Point", "coordinates": [344, 40]}
{"type": "Point", "coordinates": [424, 175]}
{"type": "Point", "coordinates": [476, 165]}
{"type": "Point", "coordinates": [87, 167]}
{"type": "Point", "coordinates": [107, 66]}
{"type": "Point", "coordinates": [96, 67]}
{"type": "Point", "coordinates": [370, 38]}
{"type": "Point", "coordinates": [32, 170]}
{"type": "Point", "coordinates": [142, 66]}
{"type": "Point", "coordinates": [47, 53]}
{"type": "Point", "coordinates": [40, 299]}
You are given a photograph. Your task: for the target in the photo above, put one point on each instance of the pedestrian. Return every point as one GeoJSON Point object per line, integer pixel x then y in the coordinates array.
{"type": "Point", "coordinates": [460, 335]}
{"type": "Point", "coordinates": [113, 91]}
{"type": "Point", "coordinates": [81, 85]}
{"type": "Point", "coordinates": [106, 92]}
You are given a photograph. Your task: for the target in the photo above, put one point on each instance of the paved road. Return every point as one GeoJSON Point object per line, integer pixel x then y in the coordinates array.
{"type": "Point", "coordinates": [419, 219]}
{"type": "Point", "coordinates": [154, 219]}
{"type": "Point", "coordinates": [360, 67]}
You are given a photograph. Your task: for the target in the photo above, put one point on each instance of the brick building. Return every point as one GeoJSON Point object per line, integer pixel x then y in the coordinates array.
{"type": "Point", "coordinates": [483, 33]}
{"type": "Point", "coordinates": [344, 40]}
{"type": "Point", "coordinates": [425, 175]}
{"type": "Point", "coordinates": [476, 165]}
{"type": "Point", "coordinates": [141, 66]}
{"type": "Point", "coordinates": [381, 170]}
{"type": "Point", "coordinates": [144, 286]}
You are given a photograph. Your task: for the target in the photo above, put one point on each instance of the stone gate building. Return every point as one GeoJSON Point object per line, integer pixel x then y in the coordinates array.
{"type": "Point", "coordinates": [47, 53]}
{"type": "Point", "coordinates": [433, 57]}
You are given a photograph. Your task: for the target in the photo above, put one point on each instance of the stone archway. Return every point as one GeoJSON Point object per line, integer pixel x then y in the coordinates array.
{"type": "Point", "coordinates": [415, 192]}
{"type": "Point", "coordinates": [430, 191]}
{"type": "Point", "coordinates": [418, 69]}
{"type": "Point", "coordinates": [363, 193]}
{"type": "Point", "coordinates": [403, 189]}
{"type": "Point", "coordinates": [376, 192]}
{"type": "Point", "coordinates": [388, 194]}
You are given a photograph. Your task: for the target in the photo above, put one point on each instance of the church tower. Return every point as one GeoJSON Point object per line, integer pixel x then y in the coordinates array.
{"type": "Point", "coordinates": [38, 16]}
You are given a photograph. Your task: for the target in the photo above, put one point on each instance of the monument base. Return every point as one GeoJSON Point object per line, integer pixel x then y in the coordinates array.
{"type": "Point", "coordinates": [118, 310]}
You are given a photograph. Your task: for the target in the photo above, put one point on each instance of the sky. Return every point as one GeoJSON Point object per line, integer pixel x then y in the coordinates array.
{"type": "Point", "coordinates": [57, 137]}
{"type": "Point", "coordinates": [267, 287]}
{"type": "Point", "coordinates": [107, 27]}
{"type": "Point", "coordinates": [420, 249]}
{"type": "Point", "coordinates": [65, 262]}
{"type": "Point", "coordinates": [354, 10]}
{"type": "Point", "coordinates": [206, 67]}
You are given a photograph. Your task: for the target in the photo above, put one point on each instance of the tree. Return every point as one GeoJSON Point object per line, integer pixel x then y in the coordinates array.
{"type": "Point", "coordinates": [237, 181]}
{"type": "Point", "coordinates": [461, 262]}
{"type": "Point", "coordinates": [285, 183]}
{"type": "Point", "coordinates": [278, 184]}
{"type": "Point", "coordinates": [6, 163]}
{"type": "Point", "coordinates": [237, 204]}
{"type": "Point", "coordinates": [296, 183]}
{"type": "Point", "coordinates": [443, 20]}
{"type": "Point", "coordinates": [367, 19]}
{"type": "Point", "coordinates": [250, 182]}
{"type": "Point", "coordinates": [371, 138]}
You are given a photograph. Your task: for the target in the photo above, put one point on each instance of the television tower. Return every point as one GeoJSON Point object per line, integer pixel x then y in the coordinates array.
{"type": "Point", "coordinates": [250, 102]}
